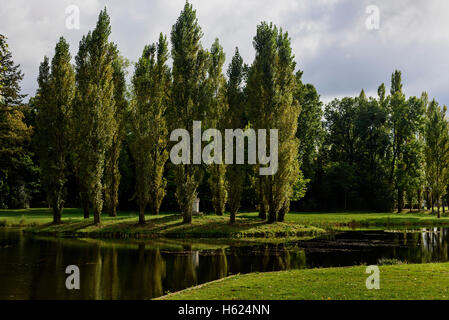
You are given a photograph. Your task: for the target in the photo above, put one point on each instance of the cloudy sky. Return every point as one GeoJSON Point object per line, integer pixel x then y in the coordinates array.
{"type": "Point", "coordinates": [334, 47]}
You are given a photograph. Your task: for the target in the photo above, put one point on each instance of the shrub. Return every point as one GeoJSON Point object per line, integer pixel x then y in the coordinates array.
{"type": "Point", "coordinates": [390, 262]}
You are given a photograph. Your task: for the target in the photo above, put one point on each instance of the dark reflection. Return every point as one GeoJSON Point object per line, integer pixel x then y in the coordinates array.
{"type": "Point", "coordinates": [34, 268]}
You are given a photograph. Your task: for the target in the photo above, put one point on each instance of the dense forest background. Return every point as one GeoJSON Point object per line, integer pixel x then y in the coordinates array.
{"type": "Point", "coordinates": [89, 136]}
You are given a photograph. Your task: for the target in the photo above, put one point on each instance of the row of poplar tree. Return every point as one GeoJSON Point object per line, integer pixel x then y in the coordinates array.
{"type": "Point", "coordinates": [84, 114]}
{"type": "Point", "coordinates": [356, 153]}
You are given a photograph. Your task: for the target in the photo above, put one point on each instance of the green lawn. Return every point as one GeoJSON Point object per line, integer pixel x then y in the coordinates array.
{"type": "Point", "coordinates": [209, 226]}
{"type": "Point", "coordinates": [39, 216]}
{"type": "Point", "coordinates": [398, 282]}
{"type": "Point", "coordinates": [367, 219]}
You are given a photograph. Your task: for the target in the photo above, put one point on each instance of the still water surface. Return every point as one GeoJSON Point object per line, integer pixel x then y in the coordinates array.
{"type": "Point", "coordinates": [34, 268]}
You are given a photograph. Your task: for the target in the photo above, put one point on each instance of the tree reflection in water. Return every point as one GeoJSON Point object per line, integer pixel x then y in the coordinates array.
{"type": "Point", "coordinates": [34, 268]}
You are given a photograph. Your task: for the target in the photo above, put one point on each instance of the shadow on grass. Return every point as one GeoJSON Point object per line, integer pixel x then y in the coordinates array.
{"type": "Point", "coordinates": [153, 225]}
{"type": "Point", "coordinates": [170, 226]}
{"type": "Point", "coordinates": [64, 227]}
{"type": "Point", "coordinates": [212, 227]}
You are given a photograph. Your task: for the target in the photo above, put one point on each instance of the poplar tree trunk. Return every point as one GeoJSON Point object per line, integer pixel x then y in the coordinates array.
{"type": "Point", "coordinates": [234, 201]}
{"type": "Point", "coordinates": [57, 214]}
{"type": "Point", "coordinates": [419, 200]}
{"type": "Point", "coordinates": [262, 210]}
{"type": "Point", "coordinates": [233, 214]}
{"type": "Point", "coordinates": [187, 216]}
{"type": "Point", "coordinates": [113, 188]}
{"type": "Point", "coordinates": [272, 217]}
{"type": "Point", "coordinates": [262, 204]}
{"type": "Point", "coordinates": [86, 209]}
{"type": "Point", "coordinates": [97, 215]}
{"type": "Point", "coordinates": [285, 209]}
{"type": "Point", "coordinates": [400, 200]}
{"type": "Point", "coordinates": [432, 204]}
{"type": "Point", "coordinates": [272, 214]}
{"type": "Point", "coordinates": [155, 208]}
{"type": "Point", "coordinates": [114, 211]}
{"type": "Point", "coordinates": [142, 214]}
{"type": "Point", "coordinates": [85, 204]}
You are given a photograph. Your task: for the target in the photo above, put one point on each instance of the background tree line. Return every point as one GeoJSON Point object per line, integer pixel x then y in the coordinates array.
{"type": "Point", "coordinates": [89, 139]}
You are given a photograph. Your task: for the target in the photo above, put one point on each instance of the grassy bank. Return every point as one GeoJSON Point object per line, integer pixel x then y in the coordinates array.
{"type": "Point", "coordinates": [398, 282]}
{"type": "Point", "coordinates": [350, 220]}
{"type": "Point", "coordinates": [209, 226]}
{"type": "Point", "coordinates": [38, 221]}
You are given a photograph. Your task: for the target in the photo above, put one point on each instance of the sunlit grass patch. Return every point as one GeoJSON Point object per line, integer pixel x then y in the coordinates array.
{"type": "Point", "coordinates": [397, 282]}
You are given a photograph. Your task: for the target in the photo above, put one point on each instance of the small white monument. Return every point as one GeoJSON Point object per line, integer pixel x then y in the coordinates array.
{"type": "Point", "coordinates": [196, 207]}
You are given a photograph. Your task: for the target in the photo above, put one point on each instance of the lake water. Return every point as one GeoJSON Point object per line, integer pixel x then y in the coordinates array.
{"type": "Point", "coordinates": [34, 268]}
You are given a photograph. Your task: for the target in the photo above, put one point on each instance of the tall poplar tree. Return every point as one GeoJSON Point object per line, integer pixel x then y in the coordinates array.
{"type": "Point", "coordinates": [151, 85]}
{"type": "Point", "coordinates": [79, 130]}
{"type": "Point", "coordinates": [271, 86]}
{"type": "Point", "coordinates": [112, 173]}
{"type": "Point", "coordinates": [236, 100]}
{"type": "Point", "coordinates": [261, 92]}
{"type": "Point", "coordinates": [216, 119]}
{"type": "Point", "coordinates": [188, 98]}
{"type": "Point", "coordinates": [405, 120]}
{"type": "Point", "coordinates": [54, 102]}
{"type": "Point", "coordinates": [94, 110]}
{"type": "Point", "coordinates": [436, 152]}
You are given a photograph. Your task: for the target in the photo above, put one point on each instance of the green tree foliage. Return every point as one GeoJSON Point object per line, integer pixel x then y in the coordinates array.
{"type": "Point", "coordinates": [118, 127]}
{"type": "Point", "coordinates": [54, 103]}
{"type": "Point", "coordinates": [11, 76]}
{"type": "Point", "coordinates": [412, 161]}
{"type": "Point", "coordinates": [405, 119]}
{"type": "Point", "coordinates": [372, 145]}
{"type": "Point", "coordinates": [373, 150]}
{"type": "Point", "coordinates": [94, 110]}
{"type": "Point", "coordinates": [360, 153]}
{"type": "Point", "coordinates": [18, 173]}
{"type": "Point", "coordinates": [217, 114]}
{"type": "Point", "coordinates": [260, 90]}
{"type": "Point", "coordinates": [151, 85]}
{"type": "Point", "coordinates": [236, 100]}
{"type": "Point", "coordinates": [436, 152]}
{"type": "Point", "coordinates": [3, 52]}
{"type": "Point", "coordinates": [340, 116]}
{"type": "Point", "coordinates": [356, 146]}
{"type": "Point", "coordinates": [271, 86]}
{"type": "Point", "coordinates": [189, 98]}
{"type": "Point", "coordinates": [80, 117]}
{"type": "Point", "coordinates": [310, 126]}
{"type": "Point", "coordinates": [17, 170]}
